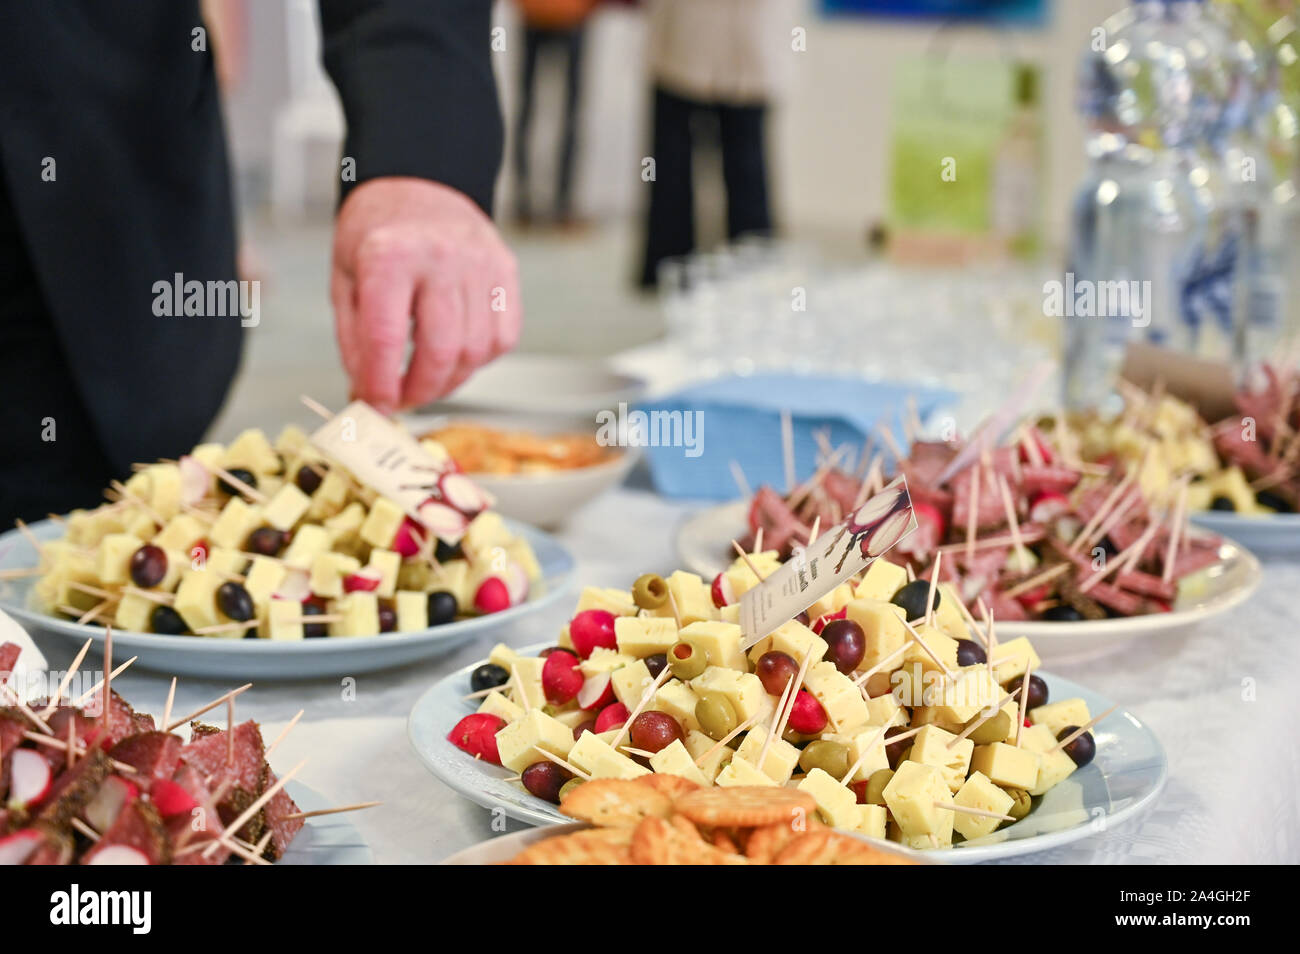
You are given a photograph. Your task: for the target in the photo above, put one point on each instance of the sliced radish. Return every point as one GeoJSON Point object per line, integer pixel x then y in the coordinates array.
{"type": "Point", "coordinates": [492, 596]}
{"type": "Point", "coordinates": [195, 480]}
{"type": "Point", "coordinates": [442, 521]}
{"type": "Point", "coordinates": [517, 582]}
{"type": "Point", "coordinates": [611, 717]}
{"type": "Point", "coordinates": [408, 537]}
{"type": "Point", "coordinates": [878, 507]}
{"type": "Point", "coordinates": [170, 799]}
{"type": "Point", "coordinates": [112, 797]}
{"type": "Point", "coordinates": [364, 580]}
{"type": "Point", "coordinates": [18, 847]}
{"type": "Point", "coordinates": [463, 494]}
{"type": "Point", "coordinates": [721, 591]}
{"type": "Point", "coordinates": [561, 677]}
{"type": "Point", "coordinates": [597, 692]}
{"type": "Point", "coordinates": [892, 529]}
{"type": "Point", "coordinates": [118, 855]}
{"type": "Point", "coordinates": [30, 778]}
{"type": "Point", "coordinates": [1047, 506]}
{"type": "Point", "coordinates": [295, 587]}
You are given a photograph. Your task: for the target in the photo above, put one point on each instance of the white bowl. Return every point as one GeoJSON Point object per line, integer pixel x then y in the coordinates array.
{"type": "Point", "coordinates": [544, 384]}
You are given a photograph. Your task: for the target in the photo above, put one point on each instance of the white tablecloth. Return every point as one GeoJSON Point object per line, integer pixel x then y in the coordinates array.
{"type": "Point", "coordinates": [1234, 767]}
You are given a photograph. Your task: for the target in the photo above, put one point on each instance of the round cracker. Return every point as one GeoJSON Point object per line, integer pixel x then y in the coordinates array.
{"type": "Point", "coordinates": [616, 803]}
{"type": "Point", "coordinates": [745, 806]}
{"type": "Point", "coordinates": [827, 847]}
{"type": "Point", "coordinates": [676, 842]}
{"type": "Point", "coordinates": [674, 786]}
{"type": "Point", "coordinates": [597, 846]}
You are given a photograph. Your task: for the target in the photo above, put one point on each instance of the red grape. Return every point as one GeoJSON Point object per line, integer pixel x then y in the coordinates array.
{"type": "Point", "coordinates": [654, 731]}
{"type": "Point", "coordinates": [775, 669]}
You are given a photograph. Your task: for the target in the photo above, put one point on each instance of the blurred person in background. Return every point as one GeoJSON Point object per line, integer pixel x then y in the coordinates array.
{"type": "Point", "coordinates": [554, 29]}
{"type": "Point", "coordinates": [718, 60]}
{"type": "Point", "coordinates": [114, 177]}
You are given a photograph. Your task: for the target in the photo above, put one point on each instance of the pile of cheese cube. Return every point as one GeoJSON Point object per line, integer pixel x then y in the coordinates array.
{"type": "Point", "coordinates": [932, 774]}
{"type": "Point", "coordinates": [338, 533]}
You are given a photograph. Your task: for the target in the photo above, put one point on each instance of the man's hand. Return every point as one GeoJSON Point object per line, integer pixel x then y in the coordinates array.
{"type": "Point", "coordinates": [418, 261]}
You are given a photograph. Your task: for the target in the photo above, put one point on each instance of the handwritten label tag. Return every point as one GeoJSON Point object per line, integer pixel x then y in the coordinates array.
{"type": "Point", "coordinates": [390, 461]}
{"type": "Point", "coordinates": [832, 558]}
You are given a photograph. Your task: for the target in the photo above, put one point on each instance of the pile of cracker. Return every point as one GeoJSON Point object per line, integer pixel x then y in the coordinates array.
{"type": "Point", "coordinates": [668, 820]}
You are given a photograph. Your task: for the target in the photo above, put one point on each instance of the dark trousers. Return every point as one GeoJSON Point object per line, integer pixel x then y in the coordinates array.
{"type": "Point", "coordinates": [567, 43]}
{"type": "Point", "coordinates": [50, 457]}
{"type": "Point", "coordinates": [670, 225]}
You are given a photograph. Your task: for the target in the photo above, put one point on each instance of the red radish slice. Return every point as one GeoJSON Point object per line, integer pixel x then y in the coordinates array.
{"type": "Point", "coordinates": [364, 580]}
{"type": "Point", "coordinates": [112, 797]}
{"type": "Point", "coordinates": [820, 622]}
{"type": "Point", "coordinates": [118, 855]}
{"type": "Point", "coordinates": [463, 494]}
{"type": "Point", "coordinates": [597, 692]}
{"type": "Point", "coordinates": [18, 847]}
{"type": "Point", "coordinates": [442, 521]}
{"type": "Point", "coordinates": [477, 735]}
{"type": "Point", "coordinates": [561, 677]}
{"type": "Point", "coordinates": [611, 717]}
{"type": "Point", "coordinates": [296, 587]}
{"type": "Point", "coordinates": [806, 714]}
{"type": "Point", "coordinates": [721, 591]}
{"type": "Point", "coordinates": [407, 540]}
{"type": "Point", "coordinates": [170, 799]}
{"type": "Point", "coordinates": [29, 778]}
{"type": "Point", "coordinates": [1047, 506]}
{"type": "Point", "coordinates": [195, 480]}
{"type": "Point", "coordinates": [492, 596]}
{"type": "Point", "coordinates": [517, 582]}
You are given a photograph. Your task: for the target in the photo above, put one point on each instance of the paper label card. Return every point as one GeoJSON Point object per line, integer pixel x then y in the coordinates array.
{"type": "Point", "coordinates": [391, 462]}
{"type": "Point", "coordinates": [834, 557]}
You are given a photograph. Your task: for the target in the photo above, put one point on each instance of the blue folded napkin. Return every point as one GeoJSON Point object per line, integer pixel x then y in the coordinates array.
{"type": "Point", "coordinates": [691, 436]}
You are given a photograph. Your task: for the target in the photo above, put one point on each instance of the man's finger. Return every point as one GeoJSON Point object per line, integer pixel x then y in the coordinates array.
{"type": "Point", "coordinates": [342, 297]}
{"type": "Point", "coordinates": [439, 338]}
{"type": "Point", "coordinates": [383, 326]}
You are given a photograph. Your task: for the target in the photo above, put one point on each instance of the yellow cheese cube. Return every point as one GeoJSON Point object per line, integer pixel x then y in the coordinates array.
{"type": "Point", "coordinates": [140, 525]}
{"type": "Point", "coordinates": [1060, 715]}
{"type": "Point", "coordinates": [455, 578]}
{"type": "Point", "coordinates": [836, 803]}
{"type": "Point", "coordinates": [960, 700]}
{"type": "Point", "coordinates": [730, 614]}
{"type": "Point", "coordinates": [743, 690]}
{"type": "Point", "coordinates": [503, 656]}
{"type": "Point", "coordinates": [832, 602]}
{"type": "Point", "coordinates": [236, 521]}
{"type": "Point", "coordinates": [133, 613]}
{"type": "Point", "coordinates": [113, 559]}
{"type": "Point", "coordinates": [630, 682]}
{"type": "Point", "coordinates": [881, 581]}
{"type": "Point", "coordinates": [1012, 658]}
{"type": "Point", "coordinates": [283, 621]}
{"type": "Point", "coordinates": [947, 615]}
{"type": "Point", "coordinates": [882, 630]}
{"type": "Point", "coordinates": [692, 596]}
{"type": "Point", "coordinates": [381, 524]}
{"type": "Point", "coordinates": [521, 552]}
{"type": "Point", "coordinates": [980, 793]}
{"type": "Point", "coordinates": [885, 710]}
{"type": "Point", "coordinates": [292, 440]}
{"type": "Point", "coordinates": [196, 599]}
{"type": "Point", "coordinates": [913, 797]}
{"type": "Point", "coordinates": [675, 759]}
{"type": "Point", "coordinates": [485, 532]}
{"type": "Point", "coordinates": [741, 578]}
{"type": "Point", "coordinates": [597, 758]}
{"type": "Point", "coordinates": [327, 572]}
{"type": "Point", "coordinates": [611, 600]}
{"type": "Point", "coordinates": [711, 755]}
{"type": "Point", "coordinates": [309, 540]}
{"type": "Point", "coordinates": [251, 451]}
{"type": "Point", "coordinates": [720, 640]}
{"type": "Point", "coordinates": [794, 639]}
{"type": "Point", "coordinates": [527, 674]}
{"type": "Point", "coordinates": [494, 703]}
{"type": "Point", "coordinates": [1006, 765]}
{"type": "Point", "coordinates": [643, 636]}
{"type": "Point", "coordinates": [931, 746]}
{"type": "Point", "coordinates": [740, 772]}
{"type": "Point", "coordinates": [360, 612]}
{"type": "Point", "coordinates": [1053, 766]}
{"type": "Point", "coordinates": [939, 642]}
{"type": "Point", "coordinates": [839, 696]}
{"type": "Point", "coordinates": [871, 821]}
{"type": "Point", "coordinates": [781, 758]}
{"type": "Point", "coordinates": [328, 500]}
{"type": "Point", "coordinates": [518, 743]}
{"type": "Point", "coordinates": [226, 561]}
{"type": "Point", "coordinates": [604, 660]}
{"type": "Point", "coordinates": [286, 507]}
{"type": "Point", "coordinates": [678, 700]}
{"type": "Point", "coordinates": [164, 489]}
{"type": "Point", "coordinates": [263, 578]}
{"type": "Point", "coordinates": [875, 760]}
{"type": "Point", "coordinates": [412, 611]}
{"type": "Point", "coordinates": [386, 563]}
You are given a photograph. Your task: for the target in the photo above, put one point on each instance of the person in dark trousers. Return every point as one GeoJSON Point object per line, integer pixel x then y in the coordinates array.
{"type": "Point", "coordinates": [718, 61]}
{"type": "Point", "coordinates": [552, 29]}
{"type": "Point", "coordinates": [114, 184]}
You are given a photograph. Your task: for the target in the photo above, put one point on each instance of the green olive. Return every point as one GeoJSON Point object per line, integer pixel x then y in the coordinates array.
{"type": "Point", "coordinates": [650, 591]}
{"type": "Point", "coordinates": [1020, 807]}
{"type": "Point", "coordinates": [876, 786]}
{"type": "Point", "coordinates": [831, 757]}
{"type": "Point", "coordinates": [994, 730]}
{"type": "Point", "coordinates": [687, 660]}
{"type": "Point", "coordinates": [568, 787]}
{"type": "Point", "coordinates": [716, 715]}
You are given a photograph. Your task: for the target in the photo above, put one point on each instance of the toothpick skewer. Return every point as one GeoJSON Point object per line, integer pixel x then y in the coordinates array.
{"type": "Point", "coordinates": [252, 810]}
{"type": "Point", "coordinates": [1175, 535]}
{"type": "Point", "coordinates": [677, 615]}
{"type": "Point", "coordinates": [743, 727]}
{"type": "Point", "coordinates": [972, 811]}
{"type": "Point", "coordinates": [207, 708]}
{"type": "Point", "coordinates": [1082, 729]}
{"type": "Point", "coordinates": [517, 685]}
{"type": "Point", "coordinates": [791, 693]}
{"type": "Point", "coordinates": [85, 697]}
{"type": "Point", "coordinates": [934, 588]}
{"type": "Point", "coordinates": [816, 528]}
{"type": "Point", "coordinates": [552, 757]}
{"type": "Point", "coordinates": [55, 743]}
{"type": "Point", "coordinates": [31, 539]}
{"type": "Point", "coordinates": [916, 637]}
{"type": "Point", "coordinates": [787, 450]}
{"type": "Point", "coordinates": [315, 406]}
{"type": "Point", "coordinates": [252, 493]}
{"type": "Point", "coordinates": [758, 541]}
{"type": "Point", "coordinates": [17, 702]}
{"type": "Point", "coordinates": [876, 739]}
{"type": "Point", "coordinates": [1024, 705]}
{"type": "Point", "coordinates": [282, 736]}
{"type": "Point", "coordinates": [1013, 522]}
{"type": "Point", "coordinates": [646, 696]}
{"type": "Point", "coordinates": [738, 475]}
{"type": "Point", "coordinates": [1110, 501]}
{"type": "Point", "coordinates": [171, 699]}
{"type": "Point", "coordinates": [1037, 580]}
{"type": "Point", "coordinates": [85, 829]}
{"type": "Point", "coordinates": [862, 677]}
{"type": "Point", "coordinates": [972, 518]}
{"type": "Point", "coordinates": [740, 551]}
{"type": "Point", "coordinates": [984, 718]}
{"type": "Point", "coordinates": [108, 679]}
{"type": "Point", "coordinates": [230, 731]}
{"type": "Point", "coordinates": [332, 811]}
{"type": "Point", "coordinates": [66, 680]}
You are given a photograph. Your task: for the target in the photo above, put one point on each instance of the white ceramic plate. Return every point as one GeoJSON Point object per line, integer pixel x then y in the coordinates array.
{"type": "Point", "coordinates": [1123, 780]}
{"type": "Point", "coordinates": [264, 659]}
{"type": "Point", "coordinates": [1276, 534]}
{"type": "Point", "coordinates": [326, 839]}
{"type": "Point", "coordinates": [497, 850]}
{"type": "Point", "coordinates": [545, 384]}
{"type": "Point", "coordinates": [703, 541]}
{"type": "Point", "coordinates": [541, 500]}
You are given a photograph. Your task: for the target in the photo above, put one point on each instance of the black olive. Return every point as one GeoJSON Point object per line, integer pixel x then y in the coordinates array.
{"type": "Point", "coordinates": [445, 551]}
{"type": "Point", "coordinates": [1267, 498]}
{"type": "Point", "coordinates": [235, 601]}
{"type": "Point", "coordinates": [148, 566]}
{"type": "Point", "coordinates": [1083, 749]}
{"type": "Point", "coordinates": [1037, 692]}
{"type": "Point", "coordinates": [240, 474]}
{"type": "Point", "coordinates": [166, 621]}
{"type": "Point", "coordinates": [488, 676]}
{"type": "Point", "coordinates": [442, 608]}
{"type": "Point", "coordinates": [970, 653]}
{"type": "Point", "coordinates": [308, 479]}
{"type": "Point", "coordinates": [387, 619]}
{"type": "Point", "coordinates": [266, 541]}
{"type": "Point", "coordinates": [1062, 613]}
{"type": "Point", "coordinates": [912, 598]}
{"type": "Point", "coordinates": [1222, 503]}
{"type": "Point", "coordinates": [314, 630]}
{"type": "Point", "coordinates": [655, 664]}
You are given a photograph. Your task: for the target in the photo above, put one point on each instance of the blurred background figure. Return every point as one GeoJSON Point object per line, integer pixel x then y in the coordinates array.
{"type": "Point", "coordinates": [714, 61]}
{"type": "Point", "coordinates": [553, 29]}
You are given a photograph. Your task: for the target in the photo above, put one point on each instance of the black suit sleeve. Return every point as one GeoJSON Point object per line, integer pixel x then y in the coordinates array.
{"type": "Point", "coordinates": [418, 92]}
